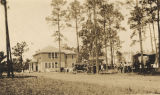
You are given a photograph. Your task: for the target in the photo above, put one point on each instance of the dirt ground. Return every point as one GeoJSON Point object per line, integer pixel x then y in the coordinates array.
{"type": "Point", "coordinates": [54, 83]}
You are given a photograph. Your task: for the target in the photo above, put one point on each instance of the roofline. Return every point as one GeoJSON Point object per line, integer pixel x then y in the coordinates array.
{"type": "Point", "coordinates": [51, 52]}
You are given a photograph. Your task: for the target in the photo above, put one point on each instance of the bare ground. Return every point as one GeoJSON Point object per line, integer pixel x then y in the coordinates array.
{"type": "Point", "coordinates": [79, 84]}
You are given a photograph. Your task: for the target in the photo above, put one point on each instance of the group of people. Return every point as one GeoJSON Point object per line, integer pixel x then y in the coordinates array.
{"type": "Point", "coordinates": [125, 67]}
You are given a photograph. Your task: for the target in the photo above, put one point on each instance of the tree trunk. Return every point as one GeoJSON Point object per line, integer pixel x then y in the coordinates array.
{"type": "Point", "coordinates": [77, 37]}
{"type": "Point", "coordinates": [141, 47]}
{"type": "Point", "coordinates": [11, 62]}
{"type": "Point", "coordinates": [140, 29]}
{"type": "Point", "coordinates": [96, 44]}
{"type": "Point", "coordinates": [8, 48]}
{"type": "Point", "coordinates": [154, 37]}
{"type": "Point", "coordinates": [106, 57]}
{"type": "Point", "coordinates": [158, 27]}
{"type": "Point", "coordinates": [21, 62]}
{"type": "Point", "coordinates": [113, 49]}
{"type": "Point", "coordinates": [111, 52]}
{"type": "Point", "coordinates": [110, 37]}
{"type": "Point", "coordinates": [105, 42]}
{"type": "Point", "coordinates": [154, 33]}
{"type": "Point", "coordinates": [59, 40]}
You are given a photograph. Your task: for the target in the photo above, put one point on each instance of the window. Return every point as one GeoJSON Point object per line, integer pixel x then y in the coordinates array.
{"type": "Point", "coordinates": [56, 65]}
{"type": "Point", "coordinates": [53, 55]}
{"type": "Point", "coordinates": [66, 56]}
{"type": "Point", "coordinates": [56, 55]}
{"type": "Point", "coordinates": [49, 55]}
{"type": "Point", "coordinates": [72, 56]}
{"type": "Point", "coordinates": [49, 65]}
{"type": "Point", "coordinates": [52, 65]}
{"type": "Point", "coordinates": [32, 66]}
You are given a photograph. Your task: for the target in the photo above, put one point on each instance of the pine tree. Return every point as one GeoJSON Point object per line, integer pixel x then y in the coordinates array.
{"type": "Point", "coordinates": [75, 12]}
{"type": "Point", "coordinates": [57, 17]}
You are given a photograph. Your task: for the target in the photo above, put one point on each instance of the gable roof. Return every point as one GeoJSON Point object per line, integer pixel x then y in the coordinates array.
{"type": "Point", "coordinates": [49, 49]}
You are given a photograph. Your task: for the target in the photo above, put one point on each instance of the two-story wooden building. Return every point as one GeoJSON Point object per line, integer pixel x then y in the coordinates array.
{"type": "Point", "coordinates": [47, 59]}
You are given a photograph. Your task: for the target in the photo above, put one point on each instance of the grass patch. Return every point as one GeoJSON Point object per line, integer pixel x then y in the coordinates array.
{"type": "Point", "coordinates": [46, 86]}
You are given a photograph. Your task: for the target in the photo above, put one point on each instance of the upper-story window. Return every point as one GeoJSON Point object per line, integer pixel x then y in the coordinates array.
{"type": "Point", "coordinates": [53, 55]}
{"type": "Point", "coordinates": [52, 65]}
{"type": "Point", "coordinates": [72, 56]}
{"type": "Point", "coordinates": [66, 56]}
{"type": "Point", "coordinates": [56, 55]}
{"type": "Point", "coordinates": [49, 55]}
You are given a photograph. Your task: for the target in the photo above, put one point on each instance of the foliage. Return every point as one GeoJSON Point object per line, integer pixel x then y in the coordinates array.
{"type": "Point", "coordinates": [75, 12]}
{"type": "Point", "coordinates": [57, 17]}
{"type": "Point", "coordinates": [18, 52]}
{"type": "Point", "coordinates": [107, 27]}
{"type": "Point", "coordinates": [141, 15]}
{"type": "Point", "coordinates": [26, 64]}
{"type": "Point", "coordinates": [2, 57]}
{"type": "Point", "coordinates": [66, 47]}
{"type": "Point", "coordinates": [57, 38]}
{"type": "Point", "coordinates": [20, 48]}
{"type": "Point", "coordinates": [112, 19]}
{"type": "Point", "coordinates": [2, 62]}
{"type": "Point", "coordinates": [57, 10]}
{"type": "Point", "coordinates": [18, 67]}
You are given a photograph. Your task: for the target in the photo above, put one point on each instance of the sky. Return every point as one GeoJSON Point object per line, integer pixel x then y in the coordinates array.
{"type": "Point", "coordinates": [27, 23]}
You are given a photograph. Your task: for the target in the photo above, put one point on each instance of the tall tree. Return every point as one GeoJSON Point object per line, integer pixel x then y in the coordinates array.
{"type": "Point", "coordinates": [95, 30]}
{"type": "Point", "coordinates": [75, 12]}
{"type": "Point", "coordinates": [57, 18]}
{"type": "Point", "coordinates": [104, 11]}
{"type": "Point", "coordinates": [152, 9]}
{"type": "Point", "coordinates": [112, 21]}
{"type": "Point", "coordinates": [87, 35]}
{"type": "Point", "coordinates": [101, 26]}
{"type": "Point", "coordinates": [92, 32]}
{"type": "Point", "coordinates": [95, 4]}
{"type": "Point", "coordinates": [8, 47]}
{"type": "Point", "coordinates": [137, 22]}
{"type": "Point", "coordinates": [158, 22]}
{"type": "Point", "coordinates": [157, 9]}
{"type": "Point", "coordinates": [87, 32]}
{"type": "Point", "coordinates": [152, 18]}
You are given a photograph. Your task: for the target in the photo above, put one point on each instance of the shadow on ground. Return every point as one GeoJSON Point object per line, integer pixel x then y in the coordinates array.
{"type": "Point", "coordinates": [18, 76]}
{"type": "Point", "coordinates": [156, 73]}
{"type": "Point", "coordinates": [150, 74]}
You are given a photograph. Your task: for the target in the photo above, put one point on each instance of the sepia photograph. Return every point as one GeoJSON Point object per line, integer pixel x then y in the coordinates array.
{"type": "Point", "coordinates": [79, 47]}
